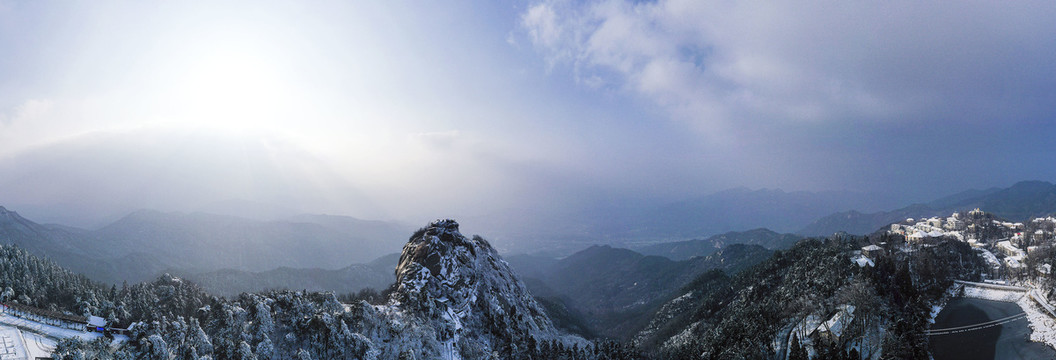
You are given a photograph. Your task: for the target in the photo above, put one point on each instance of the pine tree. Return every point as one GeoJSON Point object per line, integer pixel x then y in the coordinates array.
{"type": "Point", "coordinates": [265, 349]}
{"type": "Point", "coordinates": [158, 349]}
{"type": "Point", "coordinates": [245, 352]}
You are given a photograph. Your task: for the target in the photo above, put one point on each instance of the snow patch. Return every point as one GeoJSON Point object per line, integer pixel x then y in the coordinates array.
{"type": "Point", "coordinates": [1042, 324]}
{"type": "Point", "coordinates": [935, 310]}
{"type": "Point", "coordinates": [993, 294]}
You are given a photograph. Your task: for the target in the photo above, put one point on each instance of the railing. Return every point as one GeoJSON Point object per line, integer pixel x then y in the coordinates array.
{"type": "Point", "coordinates": [48, 317]}
{"type": "Point", "coordinates": [1044, 303]}
{"type": "Point", "coordinates": [992, 286]}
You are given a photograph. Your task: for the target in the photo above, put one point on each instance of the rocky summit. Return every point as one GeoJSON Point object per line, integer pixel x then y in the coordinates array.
{"type": "Point", "coordinates": [463, 289]}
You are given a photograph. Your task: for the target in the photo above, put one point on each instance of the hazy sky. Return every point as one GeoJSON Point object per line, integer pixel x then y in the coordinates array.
{"type": "Point", "coordinates": [417, 110]}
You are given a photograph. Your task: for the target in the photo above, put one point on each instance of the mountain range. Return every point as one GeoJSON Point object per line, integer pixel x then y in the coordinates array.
{"type": "Point", "coordinates": [1018, 202]}
{"type": "Point", "coordinates": [378, 275]}
{"type": "Point", "coordinates": [231, 254]}
{"type": "Point", "coordinates": [631, 223]}
{"type": "Point", "coordinates": [146, 243]}
{"type": "Point", "coordinates": [454, 297]}
{"type": "Point", "coordinates": [683, 250]}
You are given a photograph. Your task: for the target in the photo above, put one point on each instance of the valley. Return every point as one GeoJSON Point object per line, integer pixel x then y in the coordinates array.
{"type": "Point", "coordinates": [779, 294]}
{"type": "Point", "coordinates": [527, 180]}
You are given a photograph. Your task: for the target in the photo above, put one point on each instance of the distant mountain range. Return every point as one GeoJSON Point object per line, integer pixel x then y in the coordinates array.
{"type": "Point", "coordinates": [741, 209]}
{"type": "Point", "coordinates": [630, 223]}
{"type": "Point", "coordinates": [276, 253]}
{"type": "Point", "coordinates": [378, 275]}
{"type": "Point", "coordinates": [1019, 202]}
{"type": "Point", "coordinates": [683, 250]}
{"type": "Point", "coordinates": [146, 243]}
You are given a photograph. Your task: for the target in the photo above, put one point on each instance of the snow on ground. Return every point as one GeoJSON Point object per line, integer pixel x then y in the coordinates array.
{"type": "Point", "coordinates": [781, 341]}
{"type": "Point", "coordinates": [11, 345]}
{"type": "Point", "coordinates": [38, 345]}
{"type": "Point", "coordinates": [16, 344]}
{"type": "Point", "coordinates": [990, 258]}
{"type": "Point", "coordinates": [7, 320]}
{"type": "Point", "coordinates": [1042, 324]}
{"type": "Point", "coordinates": [935, 310]}
{"type": "Point", "coordinates": [803, 329]}
{"type": "Point", "coordinates": [993, 294]}
{"type": "Point", "coordinates": [35, 339]}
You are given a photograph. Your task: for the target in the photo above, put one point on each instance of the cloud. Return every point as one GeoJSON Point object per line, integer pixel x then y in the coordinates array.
{"type": "Point", "coordinates": [437, 139]}
{"type": "Point", "coordinates": [719, 63]}
{"type": "Point", "coordinates": [541, 22]}
{"type": "Point", "coordinates": [28, 112]}
{"type": "Point", "coordinates": [793, 94]}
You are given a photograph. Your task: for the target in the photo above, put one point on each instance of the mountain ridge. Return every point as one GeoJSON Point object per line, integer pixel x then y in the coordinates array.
{"type": "Point", "coordinates": [1018, 202]}
{"type": "Point", "coordinates": [619, 288]}
{"type": "Point", "coordinates": [683, 250]}
{"type": "Point", "coordinates": [145, 243]}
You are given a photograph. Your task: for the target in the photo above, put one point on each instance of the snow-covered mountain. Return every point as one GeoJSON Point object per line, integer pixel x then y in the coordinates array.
{"type": "Point", "coordinates": [1019, 202]}
{"type": "Point", "coordinates": [460, 289]}
{"type": "Point", "coordinates": [455, 298]}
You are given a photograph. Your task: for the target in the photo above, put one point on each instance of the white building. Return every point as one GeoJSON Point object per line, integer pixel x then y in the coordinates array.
{"type": "Point", "coordinates": [1010, 250]}
{"type": "Point", "coordinates": [833, 328]}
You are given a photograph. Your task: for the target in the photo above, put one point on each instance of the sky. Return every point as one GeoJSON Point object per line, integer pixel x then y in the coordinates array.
{"type": "Point", "coordinates": [419, 110]}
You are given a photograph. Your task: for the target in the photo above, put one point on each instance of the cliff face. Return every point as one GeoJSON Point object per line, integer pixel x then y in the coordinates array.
{"type": "Point", "coordinates": [463, 289]}
{"type": "Point", "coordinates": [454, 298]}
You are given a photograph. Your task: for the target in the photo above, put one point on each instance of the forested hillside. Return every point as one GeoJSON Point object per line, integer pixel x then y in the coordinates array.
{"type": "Point", "coordinates": [455, 299]}
{"type": "Point", "coordinates": [611, 292]}
{"type": "Point", "coordinates": [718, 315]}
{"type": "Point", "coordinates": [749, 315]}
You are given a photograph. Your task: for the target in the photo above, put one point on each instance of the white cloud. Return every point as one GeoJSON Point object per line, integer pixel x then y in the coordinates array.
{"type": "Point", "coordinates": [542, 25]}
{"type": "Point", "coordinates": [437, 139]}
{"type": "Point", "coordinates": [28, 112]}
{"type": "Point", "coordinates": [796, 62]}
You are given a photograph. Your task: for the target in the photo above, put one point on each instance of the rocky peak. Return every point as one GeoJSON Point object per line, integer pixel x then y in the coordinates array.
{"type": "Point", "coordinates": [433, 247]}
{"type": "Point", "coordinates": [438, 263]}
{"type": "Point", "coordinates": [11, 219]}
{"type": "Point", "coordinates": [464, 290]}
{"type": "Point", "coordinates": [5, 213]}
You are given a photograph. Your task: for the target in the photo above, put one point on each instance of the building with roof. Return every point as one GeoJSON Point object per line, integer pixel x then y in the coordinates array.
{"type": "Point", "coordinates": [872, 251]}
{"type": "Point", "coordinates": [831, 329]}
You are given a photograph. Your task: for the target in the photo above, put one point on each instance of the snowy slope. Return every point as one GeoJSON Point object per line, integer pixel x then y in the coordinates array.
{"type": "Point", "coordinates": [455, 298]}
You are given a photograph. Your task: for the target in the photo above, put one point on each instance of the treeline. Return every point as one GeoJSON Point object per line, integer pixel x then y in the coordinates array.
{"type": "Point", "coordinates": [741, 316]}
{"type": "Point", "coordinates": [29, 280]}
{"type": "Point", "coordinates": [175, 319]}
{"type": "Point", "coordinates": [910, 283]}
{"type": "Point", "coordinates": [297, 325]}
{"type": "Point", "coordinates": [717, 316]}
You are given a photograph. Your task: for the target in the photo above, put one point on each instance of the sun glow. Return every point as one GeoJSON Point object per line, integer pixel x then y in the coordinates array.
{"type": "Point", "coordinates": [232, 87]}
